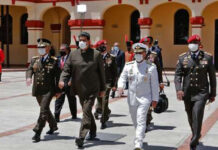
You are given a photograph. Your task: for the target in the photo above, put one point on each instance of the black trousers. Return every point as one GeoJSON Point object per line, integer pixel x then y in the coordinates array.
{"type": "Point", "coordinates": [195, 113]}
{"type": "Point", "coordinates": [60, 102]}
{"type": "Point", "coordinates": [45, 113]}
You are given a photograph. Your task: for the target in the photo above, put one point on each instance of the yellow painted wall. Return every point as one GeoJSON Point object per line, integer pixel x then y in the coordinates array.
{"type": "Point", "coordinates": [117, 24]}
{"type": "Point", "coordinates": [163, 30]}
{"type": "Point", "coordinates": [55, 15]}
{"type": "Point", "coordinates": [18, 52]}
{"type": "Point", "coordinates": [210, 14]}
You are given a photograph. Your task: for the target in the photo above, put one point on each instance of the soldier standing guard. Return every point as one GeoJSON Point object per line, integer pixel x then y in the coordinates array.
{"type": "Point", "coordinates": [85, 66]}
{"type": "Point", "coordinates": [143, 90]}
{"type": "Point", "coordinates": [45, 85]}
{"type": "Point", "coordinates": [110, 69]}
{"type": "Point", "coordinates": [192, 86]}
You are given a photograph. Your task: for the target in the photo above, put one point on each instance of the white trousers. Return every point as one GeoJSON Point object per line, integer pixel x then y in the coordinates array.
{"type": "Point", "coordinates": [139, 116]}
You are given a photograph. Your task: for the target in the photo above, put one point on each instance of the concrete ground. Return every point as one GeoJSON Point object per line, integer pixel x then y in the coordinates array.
{"type": "Point", "coordinates": [19, 112]}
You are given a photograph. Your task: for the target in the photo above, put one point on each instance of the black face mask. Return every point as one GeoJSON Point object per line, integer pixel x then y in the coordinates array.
{"type": "Point", "coordinates": [101, 48]}
{"type": "Point", "coordinates": [62, 53]}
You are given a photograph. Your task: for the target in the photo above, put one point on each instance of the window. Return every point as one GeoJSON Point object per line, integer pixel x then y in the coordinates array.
{"type": "Point", "coordinates": [7, 22]}
{"type": "Point", "coordinates": [23, 29]}
{"type": "Point", "coordinates": [181, 27]}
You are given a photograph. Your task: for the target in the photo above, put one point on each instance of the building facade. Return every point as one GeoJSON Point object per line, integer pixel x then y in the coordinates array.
{"type": "Point", "coordinates": [171, 22]}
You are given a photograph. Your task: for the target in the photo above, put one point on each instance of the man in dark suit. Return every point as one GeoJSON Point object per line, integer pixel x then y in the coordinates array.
{"type": "Point", "coordinates": [192, 86]}
{"type": "Point", "coordinates": [110, 69]}
{"type": "Point", "coordinates": [120, 60]}
{"type": "Point", "coordinates": [45, 70]}
{"type": "Point", "coordinates": [64, 54]}
{"type": "Point", "coordinates": [85, 67]}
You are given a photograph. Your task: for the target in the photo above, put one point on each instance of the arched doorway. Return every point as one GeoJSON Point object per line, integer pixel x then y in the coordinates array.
{"type": "Point", "coordinates": [171, 28]}
{"type": "Point", "coordinates": [118, 24]}
{"type": "Point", "coordinates": [56, 26]}
{"type": "Point", "coordinates": [11, 27]}
{"type": "Point", "coordinates": [210, 31]}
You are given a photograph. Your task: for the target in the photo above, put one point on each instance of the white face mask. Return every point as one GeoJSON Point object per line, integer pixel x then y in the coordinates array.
{"type": "Point", "coordinates": [138, 57]}
{"type": "Point", "coordinates": [82, 45]}
{"type": "Point", "coordinates": [41, 51]}
{"type": "Point", "coordinates": [193, 47]}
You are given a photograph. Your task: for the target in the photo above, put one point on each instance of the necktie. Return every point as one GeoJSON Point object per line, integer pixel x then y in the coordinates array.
{"type": "Point", "coordinates": [194, 56]}
{"type": "Point", "coordinates": [62, 62]}
{"type": "Point", "coordinates": [42, 59]}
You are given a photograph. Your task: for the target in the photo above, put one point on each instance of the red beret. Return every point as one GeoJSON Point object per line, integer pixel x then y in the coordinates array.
{"type": "Point", "coordinates": [194, 37]}
{"type": "Point", "coordinates": [145, 39]}
{"type": "Point", "coordinates": [100, 42]}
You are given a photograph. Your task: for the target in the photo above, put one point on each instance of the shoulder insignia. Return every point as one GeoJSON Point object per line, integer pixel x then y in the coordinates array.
{"type": "Point", "coordinates": [53, 57]}
{"type": "Point", "coordinates": [182, 54]}
{"type": "Point", "coordinates": [35, 57]}
{"type": "Point", "coordinates": [131, 62]}
{"type": "Point", "coordinates": [112, 55]}
{"type": "Point", "coordinates": [208, 53]}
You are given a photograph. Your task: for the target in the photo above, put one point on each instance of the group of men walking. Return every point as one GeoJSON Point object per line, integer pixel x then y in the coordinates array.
{"type": "Point", "coordinates": [92, 74]}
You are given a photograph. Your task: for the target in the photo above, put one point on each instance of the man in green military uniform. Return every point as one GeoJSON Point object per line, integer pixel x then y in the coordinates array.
{"type": "Point", "coordinates": [85, 66]}
{"type": "Point", "coordinates": [192, 86]}
{"type": "Point", "coordinates": [45, 71]}
{"type": "Point", "coordinates": [111, 76]}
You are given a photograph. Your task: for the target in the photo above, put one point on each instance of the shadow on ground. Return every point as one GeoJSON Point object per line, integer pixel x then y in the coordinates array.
{"type": "Point", "coordinates": [153, 147]}
{"type": "Point", "coordinates": [56, 136]}
{"type": "Point", "coordinates": [111, 124]}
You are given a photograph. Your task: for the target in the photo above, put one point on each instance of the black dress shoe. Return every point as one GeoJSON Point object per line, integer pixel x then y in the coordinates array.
{"type": "Point", "coordinates": [36, 138]}
{"type": "Point", "coordinates": [91, 137]}
{"type": "Point", "coordinates": [52, 130]}
{"type": "Point", "coordinates": [193, 148]}
{"type": "Point", "coordinates": [74, 117]}
{"type": "Point", "coordinates": [57, 119]}
{"type": "Point", "coordinates": [103, 126]}
{"type": "Point", "coordinates": [79, 142]}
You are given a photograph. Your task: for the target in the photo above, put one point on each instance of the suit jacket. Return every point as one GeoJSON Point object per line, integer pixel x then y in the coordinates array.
{"type": "Point", "coordinates": [87, 72]}
{"type": "Point", "coordinates": [46, 75]}
{"type": "Point", "coordinates": [120, 60]}
{"type": "Point", "coordinates": [110, 69]}
{"type": "Point", "coordinates": [191, 76]}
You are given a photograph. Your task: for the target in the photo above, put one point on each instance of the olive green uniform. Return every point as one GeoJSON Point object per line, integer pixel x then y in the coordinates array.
{"type": "Point", "coordinates": [45, 85]}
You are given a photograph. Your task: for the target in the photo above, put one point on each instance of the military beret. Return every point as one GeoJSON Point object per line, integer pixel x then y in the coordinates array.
{"type": "Point", "coordinates": [139, 47]}
{"type": "Point", "coordinates": [97, 44]}
{"type": "Point", "coordinates": [43, 42]}
{"type": "Point", "coordinates": [145, 39]}
{"type": "Point", "coordinates": [194, 37]}
{"type": "Point", "coordinates": [85, 34]}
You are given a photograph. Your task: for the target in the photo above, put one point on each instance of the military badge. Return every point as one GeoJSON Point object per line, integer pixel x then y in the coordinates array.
{"type": "Point", "coordinates": [145, 78]}
{"type": "Point", "coordinates": [130, 71]}
{"type": "Point", "coordinates": [204, 62]}
{"type": "Point", "coordinates": [108, 61]}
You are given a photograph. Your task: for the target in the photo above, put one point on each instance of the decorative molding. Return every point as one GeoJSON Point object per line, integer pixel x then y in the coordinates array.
{"type": "Point", "coordinates": [34, 24]}
{"type": "Point", "coordinates": [145, 21]}
{"type": "Point", "coordinates": [198, 20]}
{"type": "Point", "coordinates": [31, 46]}
{"type": "Point", "coordinates": [55, 26]}
{"type": "Point", "coordinates": [86, 22]}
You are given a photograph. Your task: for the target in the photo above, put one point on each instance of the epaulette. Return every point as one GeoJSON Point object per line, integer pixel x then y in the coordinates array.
{"type": "Point", "coordinates": [208, 53]}
{"type": "Point", "coordinates": [35, 57]}
{"type": "Point", "coordinates": [182, 54]}
{"type": "Point", "coordinates": [131, 62]}
{"type": "Point", "coordinates": [53, 57]}
{"type": "Point", "coordinates": [112, 55]}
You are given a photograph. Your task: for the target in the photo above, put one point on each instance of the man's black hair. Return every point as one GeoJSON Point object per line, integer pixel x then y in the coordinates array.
{"type": "Point", "coordinates": [85, 34]}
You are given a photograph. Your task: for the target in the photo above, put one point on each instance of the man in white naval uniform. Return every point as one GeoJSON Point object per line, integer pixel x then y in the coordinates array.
{"type": "Point", "coordinates": [143, 90]}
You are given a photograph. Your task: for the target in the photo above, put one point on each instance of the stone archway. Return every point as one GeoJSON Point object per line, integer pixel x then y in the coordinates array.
{"type": "Point", "coordinates": [162, 29]}
{"type": "Point", "coordinates": [56, 26]}
{"type": "Point", "coordinates": [210, 30]}
{"type": "Point", "coordinates": [118, 24]}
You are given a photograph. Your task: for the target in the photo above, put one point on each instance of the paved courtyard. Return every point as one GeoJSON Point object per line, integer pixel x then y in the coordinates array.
{"type": "Point", "coordinates": [19, 112]}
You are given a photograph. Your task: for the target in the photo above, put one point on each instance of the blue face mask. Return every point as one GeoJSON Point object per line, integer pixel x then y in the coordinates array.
{"type": "Point", "coordinates": [116, 48]}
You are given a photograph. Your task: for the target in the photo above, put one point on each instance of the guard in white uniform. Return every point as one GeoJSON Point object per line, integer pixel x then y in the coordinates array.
{"type": "Point", "coordinates": [143, 90]}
